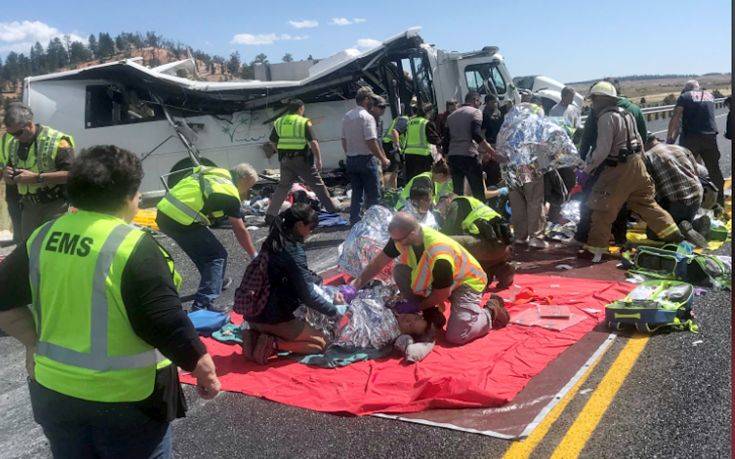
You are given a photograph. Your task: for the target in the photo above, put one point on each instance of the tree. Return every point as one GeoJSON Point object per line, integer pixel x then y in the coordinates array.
{"type": "Point", "coordinates": [310, 58]}
{"type": "Point", "coordinates": [105, 45]}
{"type": "Point", "coordinates": [56, 56]}
{"type": "Point", "coordinates": [233, 64]}
{"type": "Point", "coordinates": [247, 72]}
{"type": "Point", "coordinates": [151, 39]}
{"type": "Point", "coordinates": [11, 69]}
{"type": "Point", "coordinates": [93, 45]}
{"type": "Point", "coordinates": [261, 59]}
{"type": "Point", "coordinates": [38, 59]}
{"type": "Point", "coordinates": [122, 42]}
{"type": "Point", "coordinates": [78, 53]}
{"type": "Point", "coordinates": [287, 57]}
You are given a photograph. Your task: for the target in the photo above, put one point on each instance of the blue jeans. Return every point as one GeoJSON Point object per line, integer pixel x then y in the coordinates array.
{"type": "Point", "coordinates": [207, 253]}
{"type": "Point", "coordinates": [364, 174]}
{"type": "Point", "coordinates": [82, 429]}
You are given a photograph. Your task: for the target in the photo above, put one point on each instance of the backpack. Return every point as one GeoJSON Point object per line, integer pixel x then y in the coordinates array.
{"type": "Point", "coordinates": [652, 306]}
{"type": "Point", "coordinates": [252, 294]}
{"type": "Point", "coordinates": [679, 262]}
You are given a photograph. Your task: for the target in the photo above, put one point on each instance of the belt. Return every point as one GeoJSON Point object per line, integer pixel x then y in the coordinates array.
{"type": "Point", "coordinates": [43, 196]}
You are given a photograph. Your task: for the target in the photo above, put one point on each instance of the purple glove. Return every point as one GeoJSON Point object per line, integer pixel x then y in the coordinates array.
{"type": "Point", "coordinates": [407, 306]}
{"type": "Point", "coordinates": [348, 292]}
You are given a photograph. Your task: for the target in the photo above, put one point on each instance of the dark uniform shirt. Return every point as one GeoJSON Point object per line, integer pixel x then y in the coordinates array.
{"type": "Point", "coordinates": [699, 112]}
{"type": "Point", "coordinates": [154, 310]}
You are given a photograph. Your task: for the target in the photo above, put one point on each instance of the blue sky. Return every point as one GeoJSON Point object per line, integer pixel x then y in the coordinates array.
{"type": "Point", "coordinates": [567, 40]}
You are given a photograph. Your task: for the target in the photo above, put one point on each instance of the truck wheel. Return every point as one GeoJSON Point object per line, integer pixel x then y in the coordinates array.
{"type": "Point", "coordinates": [184, 166]}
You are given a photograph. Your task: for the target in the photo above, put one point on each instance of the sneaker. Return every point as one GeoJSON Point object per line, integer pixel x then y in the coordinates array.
{"type": "Point", "coordinates": [226, 283]}
{"type": "Point", "coordinates": [593, 257]}
{"type": "Point", "coordinates": [691, 235]}
{"type": "Point", "coordinates": [499, 315]}
{"type": "Point", "coordinates": [536, 243]}
{"type": "Point", "coordinates": [264, 349]}
{"type": "Point", "coordinates": [521, 242]}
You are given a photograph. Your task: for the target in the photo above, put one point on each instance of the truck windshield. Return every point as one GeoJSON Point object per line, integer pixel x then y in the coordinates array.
{"type": "Point", "coordinates": [485, 78]}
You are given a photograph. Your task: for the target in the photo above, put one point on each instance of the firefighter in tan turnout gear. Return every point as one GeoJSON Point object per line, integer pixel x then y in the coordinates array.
{"type": "Point", "coordinates": [617, 162]}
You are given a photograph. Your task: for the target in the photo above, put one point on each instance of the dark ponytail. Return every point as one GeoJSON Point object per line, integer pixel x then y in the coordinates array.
{"type": "Point", "coordinates": [282, 228]}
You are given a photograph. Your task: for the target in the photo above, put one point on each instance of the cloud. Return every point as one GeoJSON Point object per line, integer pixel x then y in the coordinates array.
{"type": "Point", "coordinates": [346, 22]}
{"type": "Point", "coordinates": [367, 43]}
{"type": "Point", "coordinates": [264, 38]}
{"type": "Point", "coordinates": [19, 36]}
{"type": "Point", "coordinates": [304, 24]}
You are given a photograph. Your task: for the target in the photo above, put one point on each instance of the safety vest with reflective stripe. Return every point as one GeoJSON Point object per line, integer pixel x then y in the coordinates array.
{"type": "Point", "coordinates": [41, 155]}
{"type": "Point", "coordinates": [480, 211]}
{"type": "Point", "coordinates": [416, 141]}
{"type": "Point", "coordinates": [437, 246]}
{"type": "Point", "coordinates": [86, 347]}
{"type": "Point", "coordinates": [388, 136]}
{"type": "Point", "coordinates": [440, 189]}
{"type": "Point", "coordinates": [4, 150]}
{"type": "Point", "coordinates": [185, 201]}
{"type": "Point", "coordinates": [291, 130]}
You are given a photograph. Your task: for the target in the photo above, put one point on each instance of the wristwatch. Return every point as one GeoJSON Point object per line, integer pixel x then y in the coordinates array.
{"type": "Point", "coordinates": [39, 178]}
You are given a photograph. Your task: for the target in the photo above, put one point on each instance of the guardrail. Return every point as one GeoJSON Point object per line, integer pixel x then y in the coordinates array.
{"type": "Point", "coordinates": [666, 111]}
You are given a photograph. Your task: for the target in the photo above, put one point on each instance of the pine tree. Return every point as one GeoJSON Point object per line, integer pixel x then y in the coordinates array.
{"type": "Point", "coordinates": [233, 64]}
{"type": "Point", "coordinates": [151, 39]}
{"type": "Point", "coordinates": [261, 59]}
{"type": "Point", "coordinates": [92, 45]}
{"type": "Point", "coordinates": [287, 57]}
{"type": "Point", "coordinates": [11, 69]}
{"type": "Point", "coordinates": [122, 42]}
{"type": "Point", "coordinates": [56, 56]}
{"type": "Point", "coordinates": [105, 46]}
{"type": "Point", "coordinates": [38, 59]}
{"type": "Point", "coordinates": [78, 53]}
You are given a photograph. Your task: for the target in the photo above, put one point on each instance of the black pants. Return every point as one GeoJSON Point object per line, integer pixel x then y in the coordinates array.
{"type": "Point", "coordinates": [12, 199]}
{"type": "Point", "coordinates": [81, 429]}
{"type": "Point", "coordinates": [471, 168]}
{"type": "Point", "coordinates": [417, 164]}
{"type": "Point", "coordinates": [493, 175]}
{"type": "Point", "coordinates": [705, 146]}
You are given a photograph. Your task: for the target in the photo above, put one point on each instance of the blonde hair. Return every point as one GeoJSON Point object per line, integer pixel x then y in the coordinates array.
{"type": "Point", "coordinates": [245, 171]}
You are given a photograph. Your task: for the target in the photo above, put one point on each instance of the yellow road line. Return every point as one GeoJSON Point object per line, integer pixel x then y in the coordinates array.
{"type": "Point", "coordinates": [524, 448]}
{"type": "Point", "coordinates": [581, 431]}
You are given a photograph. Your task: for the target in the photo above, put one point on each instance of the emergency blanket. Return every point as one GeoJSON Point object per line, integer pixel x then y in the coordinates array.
{"type": "Point", "coordinates": [488, 372]}
{"type": "Point", "coordinates": [366, 240]}
{"type": "Point", "coordinates": [533, 145]}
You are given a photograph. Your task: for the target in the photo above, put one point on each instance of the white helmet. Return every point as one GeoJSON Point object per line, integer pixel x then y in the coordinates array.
{"type": "Point", "coordinates": [603, 88]}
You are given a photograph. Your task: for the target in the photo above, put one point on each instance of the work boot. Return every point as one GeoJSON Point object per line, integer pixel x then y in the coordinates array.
{"type": "Point", "coordinates": [504, 273]}
{"type": "Point", "coordinates": [249, 338]}
{"type": "Point", "coordinates": [593, 255]}
{"type": "Point", "coordinates": [499, 315]}
{"type": "Point", "coordinates": [691, 235]}
{"type": "Point", "coordinates": [702, 225]}
{"type": "Point", "coordinates": [264, 349]}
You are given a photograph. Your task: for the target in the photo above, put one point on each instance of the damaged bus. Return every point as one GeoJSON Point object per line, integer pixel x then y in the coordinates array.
{"type": "Point", "coordinates": [173, 121]}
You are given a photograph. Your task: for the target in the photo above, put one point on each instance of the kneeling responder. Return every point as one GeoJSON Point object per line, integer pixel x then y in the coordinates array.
{"type": "Point", "coordinates": [189, 207]}
{"type": "Point", "coordinates": [105, 318]}
{"type": "Point", "coordinates": [483, 232]}
{"type": "Point", "coordinates": [432, 269]}
{"type": "Point", "coordinates": [438, 179]}
{"type": "Point", "coordinates": [621, 177]}
{"type": "Point", "coordinates": [300, 158]}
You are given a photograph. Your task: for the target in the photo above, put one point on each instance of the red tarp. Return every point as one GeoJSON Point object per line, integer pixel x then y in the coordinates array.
{"type": "Point", "coordinates": [484, 373]}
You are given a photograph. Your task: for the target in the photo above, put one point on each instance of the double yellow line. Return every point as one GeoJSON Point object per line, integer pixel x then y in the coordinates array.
{"type": "Point", "coordinates": [581, 430]}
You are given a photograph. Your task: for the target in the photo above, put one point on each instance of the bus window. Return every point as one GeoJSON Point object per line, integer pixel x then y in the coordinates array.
{"type": "Point", "coordinates": [498, 80]}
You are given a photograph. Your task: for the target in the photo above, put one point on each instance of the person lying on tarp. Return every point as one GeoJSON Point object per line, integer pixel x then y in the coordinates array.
{"type": "Point", "coordinates": [483, 232]}
{"type": "Point", "coordinates": [291, 283]}
{"type": "Point", "coordinates": [433, 268]}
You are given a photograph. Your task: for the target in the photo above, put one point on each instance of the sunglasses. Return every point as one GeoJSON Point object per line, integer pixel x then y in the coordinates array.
{"type": "Point", "coordinates": [18, 133]}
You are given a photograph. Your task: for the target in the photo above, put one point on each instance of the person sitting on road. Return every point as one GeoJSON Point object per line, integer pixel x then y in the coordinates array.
{"type": "Point", "coordinates": [276, 328]}
{"type": "Point", "coordinates": [483, 232]}
{"type": "Point", "coordinates": [432, 269]}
